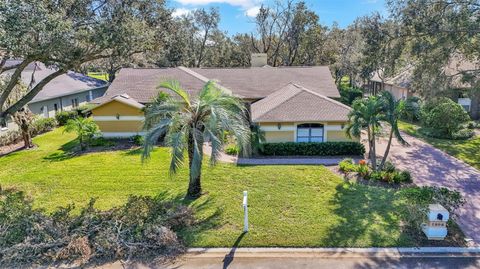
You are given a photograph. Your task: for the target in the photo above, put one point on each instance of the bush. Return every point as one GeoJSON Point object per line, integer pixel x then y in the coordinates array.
{"type": "Point", "coordinates": [84, 110]}
{"type": "Point", "coordinates": [404, 176]}
{"type": "Point", "coordinates": [347, 165]}
{"type": "Point", "coordinates": [348, 95]}
{"type": "Point", "coordinates": [143, 228]}
{"type": "Point", "coordinates": [138, 140]}
{"type": "Point", "coordinates": [10, 137]}
{"type": "Point", "coordinates": [313, 149]}
{"type": "Point", "coordinates": [232, 150]}
{"type": "Point", "coordinates": [63, 117]}
{"type": "Point", "coordinates": [410, 109]}
{"type": "Point", "coordinates": [444, 117]}
{"type": "Point", "coordinates": [43, 125]}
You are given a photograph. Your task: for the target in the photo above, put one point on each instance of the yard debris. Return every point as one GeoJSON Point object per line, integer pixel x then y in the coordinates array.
{"type": "Point", "coordinates": [144, 227]}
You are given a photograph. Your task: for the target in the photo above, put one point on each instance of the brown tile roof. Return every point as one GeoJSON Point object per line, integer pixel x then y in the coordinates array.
{"type": "Point", "coordinates": [258, 82]}
{"type": "Point", "coordinates": [141, 84]}
{"type": "Point", "coordinates": [249, 83]}
{"type": "Point", "coordinates": [294, 103]}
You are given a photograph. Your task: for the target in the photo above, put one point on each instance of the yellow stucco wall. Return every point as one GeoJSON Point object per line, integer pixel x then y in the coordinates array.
{"type": "Point", "coordinates": [113, 108]}
{"type": "Point", "coordinates": [336, 136]}
{"type": "Point", "coordinates": [276, 137]}
{"type": "Point", "coordinates": [120, 126]}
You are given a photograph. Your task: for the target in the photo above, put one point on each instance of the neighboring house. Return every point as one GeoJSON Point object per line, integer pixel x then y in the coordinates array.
{"type": "Point", "coordinates": [399, 85]}
{"type": "Point", "coordinates": [63, 93]}
{"type": "Point", "coordinates": [461, 92]}
{"type": "Point", "coordinates": [290, 104]}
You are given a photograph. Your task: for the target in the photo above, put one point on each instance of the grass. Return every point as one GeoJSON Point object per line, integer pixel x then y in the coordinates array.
{"type": "Point", "coordinates": [101, 76]}
{"type": "Point", "coordinates": [300, 206]}
{"type": "Point", "coordinates": [465, 150]}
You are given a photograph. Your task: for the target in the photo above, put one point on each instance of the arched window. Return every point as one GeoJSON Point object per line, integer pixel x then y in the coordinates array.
{"type": "Point", "coordinates": [310, 132]}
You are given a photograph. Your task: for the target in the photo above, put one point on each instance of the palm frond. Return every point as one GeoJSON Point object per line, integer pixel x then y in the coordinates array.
{"type": "Point", "coordinates": [152, 137]}
{"type": "Point", "coordinates": [175, 87]}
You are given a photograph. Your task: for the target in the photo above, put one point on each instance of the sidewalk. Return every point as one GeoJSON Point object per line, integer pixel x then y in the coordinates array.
{"type": "Point", "coordinates": [321, 258]}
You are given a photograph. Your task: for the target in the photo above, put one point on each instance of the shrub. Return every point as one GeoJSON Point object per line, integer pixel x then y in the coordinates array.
{"type": "Point", "coordinates": [144, 227]}
{"type": "Point", "coordinates": [43, 125]}
{"type": "Point", "coordinates": [347, 165]}
{"type": "Point", "coordinates": [404, 176]}
{"type": "Point", "coordinates": [348, 95]}
{"type": "Point", "coordinates": [232, 150]}
{"type": "Point", "coordinates": [138, 140]}
{"type": "Point", "coordinates": [63, 117]}
{"type": "Point", "coordinates": [84, 110]}
{"type": "Point", "coordinates": [444, 117]}
{"type": "Point", "coordinates": [10, 137]}
{"type": "Point", "coordinates": [389, 167]}
{"type": "Point", "coordinates": [410, 109]}
{"type": "Point", "coordinates": [313, 149]}
{"type": "Point", "coordinates": [363, 170]}
{"type": "Point", "coordinates": [463, 134]}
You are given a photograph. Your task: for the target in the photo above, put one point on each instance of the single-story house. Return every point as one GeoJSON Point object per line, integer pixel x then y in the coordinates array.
{"type": "Point", "coordinates": [63, 93]}
{"type": "Point", "coordinates": [290, 104]}
{"type": "Point", "coordinates": [460, 91]}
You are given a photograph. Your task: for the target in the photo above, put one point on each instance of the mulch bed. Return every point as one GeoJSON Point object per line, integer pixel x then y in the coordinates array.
{"type": "Point", "coordinates": [4, 150]}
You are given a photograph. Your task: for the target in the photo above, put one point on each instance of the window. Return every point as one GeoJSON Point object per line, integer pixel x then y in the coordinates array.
{"type": "Point", "coordinates": [75, 103]}
{"type": "Point", "coordinates": [310, 132]}
{"type": "Point", "coordinates": [44, 111]}
{"type": "Point", "coordinates": [3, 125]}
{"type": "Point", "coordinates": [55, 107]}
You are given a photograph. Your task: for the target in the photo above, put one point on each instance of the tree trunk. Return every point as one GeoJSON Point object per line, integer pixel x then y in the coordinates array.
{"type": "Point", "coordinates": [373, 155]}
{"type": "Point", "coordinates": [387, 150]}
{"type": "Point", "coordinates": [194, 184]}
{"type": "Point", "coordinates": [27, 138]}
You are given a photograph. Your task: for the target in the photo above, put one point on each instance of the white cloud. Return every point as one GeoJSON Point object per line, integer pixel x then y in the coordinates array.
{"type": "Point", "coordinates": [252, 12]}
{"type": "Point", "coordinates": [239, 3]}
{"type": "Point", "coordinates": [179, 12]}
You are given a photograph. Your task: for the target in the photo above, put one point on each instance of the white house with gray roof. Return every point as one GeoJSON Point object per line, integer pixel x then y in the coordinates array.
{"type": "Point", "coordinates": [63, 93]}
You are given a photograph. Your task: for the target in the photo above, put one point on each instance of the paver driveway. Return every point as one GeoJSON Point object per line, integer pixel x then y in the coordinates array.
{"type": "Point", "coordinates": [432, 167]}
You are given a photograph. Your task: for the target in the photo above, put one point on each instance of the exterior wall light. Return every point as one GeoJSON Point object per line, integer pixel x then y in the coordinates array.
{"type": "Point", "coordinates": [279, 126]}
{"type": "Point", "coordinates": [117, 116]}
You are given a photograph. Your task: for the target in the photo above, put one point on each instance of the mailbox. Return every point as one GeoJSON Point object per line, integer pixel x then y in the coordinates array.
{"type": "Point", "coordinates": [436, 227]}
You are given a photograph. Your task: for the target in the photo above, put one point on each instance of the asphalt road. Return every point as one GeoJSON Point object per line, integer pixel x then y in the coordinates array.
{"type": "Point", "coordinates": [317, 263]}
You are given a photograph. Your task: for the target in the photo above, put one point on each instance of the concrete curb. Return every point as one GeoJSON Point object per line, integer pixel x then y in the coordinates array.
{"type": "Point", "coordinates": [333, 252]}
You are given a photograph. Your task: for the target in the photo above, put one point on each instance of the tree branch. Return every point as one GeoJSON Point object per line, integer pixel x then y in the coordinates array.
{"type": "Point", "coordinates": [13, 81]}
{"type": "Point", "coordinates": [31, 94]}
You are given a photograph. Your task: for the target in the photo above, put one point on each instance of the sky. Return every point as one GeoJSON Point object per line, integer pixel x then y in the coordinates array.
{"type": "Point", "coordinates": [237, 15]}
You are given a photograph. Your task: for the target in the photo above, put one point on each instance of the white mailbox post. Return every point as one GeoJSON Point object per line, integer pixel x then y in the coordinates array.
{"type": "Point", "coordinates": [245, 212]}
{"type": "Point", "coordinates": [436, 228]}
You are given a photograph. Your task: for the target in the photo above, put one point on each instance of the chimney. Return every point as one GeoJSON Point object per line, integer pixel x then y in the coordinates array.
{"type": "Point", "coordinates": [258, 60]}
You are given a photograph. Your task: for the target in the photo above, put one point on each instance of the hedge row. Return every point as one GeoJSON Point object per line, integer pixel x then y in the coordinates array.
{"type": "Point", "coordinates": [313, 149]}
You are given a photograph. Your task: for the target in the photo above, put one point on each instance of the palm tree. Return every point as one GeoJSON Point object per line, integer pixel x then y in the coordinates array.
{"type": "Point", "coordinates": [85, 128]}
{"type": "Point", "coordinates": [365, 114]}
{"type": "Point", "coordinates": [391, 111]}
{"type": "Point", "coordinates": [188, 122]}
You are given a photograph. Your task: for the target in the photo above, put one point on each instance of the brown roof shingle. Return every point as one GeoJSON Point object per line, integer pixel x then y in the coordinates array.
{"type": "Point", "coordinates": [294, 103]}
{"type": "Point", "coordinates": [249, 83]}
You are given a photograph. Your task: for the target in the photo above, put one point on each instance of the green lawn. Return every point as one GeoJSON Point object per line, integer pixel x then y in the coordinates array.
{"type": "Point", "coordinates": [289, 205]}
{"type": "Point", "coordinates": [465, 150]}
{"type": "Point", "coordinates": [101, 76]}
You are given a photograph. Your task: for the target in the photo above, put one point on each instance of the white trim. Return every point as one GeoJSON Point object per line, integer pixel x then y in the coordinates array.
{"type": "Point", "coordinates": [121, 134]}
{"type": "Point", "coordinates": [284, 128]}
{"type": "Point", "coordinates": [120, 118]}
